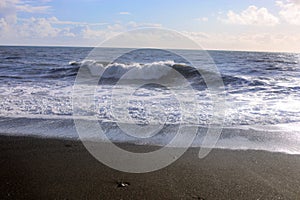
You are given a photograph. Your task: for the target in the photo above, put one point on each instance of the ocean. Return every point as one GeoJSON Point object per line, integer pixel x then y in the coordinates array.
{"type": "Point", "coordinates": [262, 92]}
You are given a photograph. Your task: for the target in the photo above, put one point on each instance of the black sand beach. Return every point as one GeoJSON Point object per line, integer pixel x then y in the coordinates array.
{"type": "Point", "coordinates": [33, 168]}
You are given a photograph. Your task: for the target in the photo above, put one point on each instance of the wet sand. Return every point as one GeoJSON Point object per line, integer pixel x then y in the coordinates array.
{"type": "Point", "coordinates": [33, 168]}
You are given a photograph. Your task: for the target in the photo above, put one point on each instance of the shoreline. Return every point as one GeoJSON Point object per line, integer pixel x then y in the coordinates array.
{"type": "Point", "coordinates": [282, 140]}
{"type": "Point", "coordinates": [132, 145]}
{"type": "Point", "coordinates": [43, 168]}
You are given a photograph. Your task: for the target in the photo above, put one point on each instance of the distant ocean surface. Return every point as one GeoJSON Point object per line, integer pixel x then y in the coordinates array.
{"type": "Point", "coordinates": [262, 94]}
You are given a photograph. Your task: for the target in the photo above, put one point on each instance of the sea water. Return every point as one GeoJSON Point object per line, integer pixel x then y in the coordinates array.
{"type": "Point", "coordinates": [262, 92]}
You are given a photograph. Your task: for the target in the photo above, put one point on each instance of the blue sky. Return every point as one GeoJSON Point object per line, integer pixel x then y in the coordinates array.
{"type": "Point", "coordinates": [261, 25]}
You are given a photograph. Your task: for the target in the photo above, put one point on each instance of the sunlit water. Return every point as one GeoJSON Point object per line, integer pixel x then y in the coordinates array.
{"type": "Point", "coordinates": [262, 94]}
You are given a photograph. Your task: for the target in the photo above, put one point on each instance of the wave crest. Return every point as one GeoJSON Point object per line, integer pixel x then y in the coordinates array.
{"type": "Point", "coordinates": [143, 71]}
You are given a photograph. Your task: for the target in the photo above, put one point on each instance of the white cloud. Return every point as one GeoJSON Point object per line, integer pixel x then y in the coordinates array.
{"type": "Point", "coordinates": [202, 19]}
{"type": "Point", "coordinates": [54, 20]}
{"type": "Point", "coordinates": [295, 1]}
{"type": "Point", "coordinates": [114, 29]}
{"type": "Point", "coordinates": [13, 28]}
{"type": "Point", "coordinates": [124, 13]}
{"type": "Point", "coordinates": [53, 31]}
{"type": "Point", "coordinates": [133, 24]}
{"type": "Point", "coordinates": [11, 7]}
{"type": "Point", "coordinates": [8, 11]}
{"type": "Point", "coordinates": [223, 41]}
{"type": "Point", "coordinates": [252, 16]}
{"type": "Point", "coordinates": [8, 15]}
{"type": "Point", "coordinates": [290, 12]}
{"type": "Point", "coordinates": [88, 33]}
{"type": "Point", "coordinates": [33, 28]}
{"type": "Point", "coordinates": [37, 28]}
{"type": "Point", "coordinates": [196, 35]}
{"type": "Point", "coordinates": [151, 38]}
{"type": "Point", "coordinates": [32, 9]}
{"type": "Point", "coordinates": [4, 27]}
{"type": "Point", "coordinates": [264, 41]}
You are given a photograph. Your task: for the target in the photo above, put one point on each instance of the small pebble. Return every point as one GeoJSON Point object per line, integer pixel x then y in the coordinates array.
{"type": "Point", "coordinates": [123, 184]}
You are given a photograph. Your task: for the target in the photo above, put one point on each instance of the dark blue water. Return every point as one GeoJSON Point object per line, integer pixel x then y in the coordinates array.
{"type": "Point", "coordinates": [262, 89]}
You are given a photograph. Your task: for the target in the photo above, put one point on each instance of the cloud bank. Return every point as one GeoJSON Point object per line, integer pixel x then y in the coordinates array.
{"type": "Point", "coordinates": [252, 16]}
{"type": "Point", "coordinates": [256, 28]}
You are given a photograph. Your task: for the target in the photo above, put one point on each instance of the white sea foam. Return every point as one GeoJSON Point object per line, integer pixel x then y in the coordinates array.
{"type": "Point", "coordinates": [262, 91]}
{"type": "Point", "coordinates": [238, 138]}
{"type": "Point", "coordinates": [144, 71]}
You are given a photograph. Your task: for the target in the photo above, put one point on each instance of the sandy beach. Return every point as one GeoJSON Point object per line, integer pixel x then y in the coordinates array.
{"type": "Point", "coordinates": [78, 78]}
{"type": "Point", "coordinates": [33, 168]}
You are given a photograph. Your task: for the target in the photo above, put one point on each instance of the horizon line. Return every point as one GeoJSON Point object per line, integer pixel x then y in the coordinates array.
{"type": "Point", "coordinates": [70, 46]}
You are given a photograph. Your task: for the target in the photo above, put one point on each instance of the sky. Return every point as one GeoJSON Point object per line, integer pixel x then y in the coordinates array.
{"type": "Point", "coordinates": [254, 25]}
